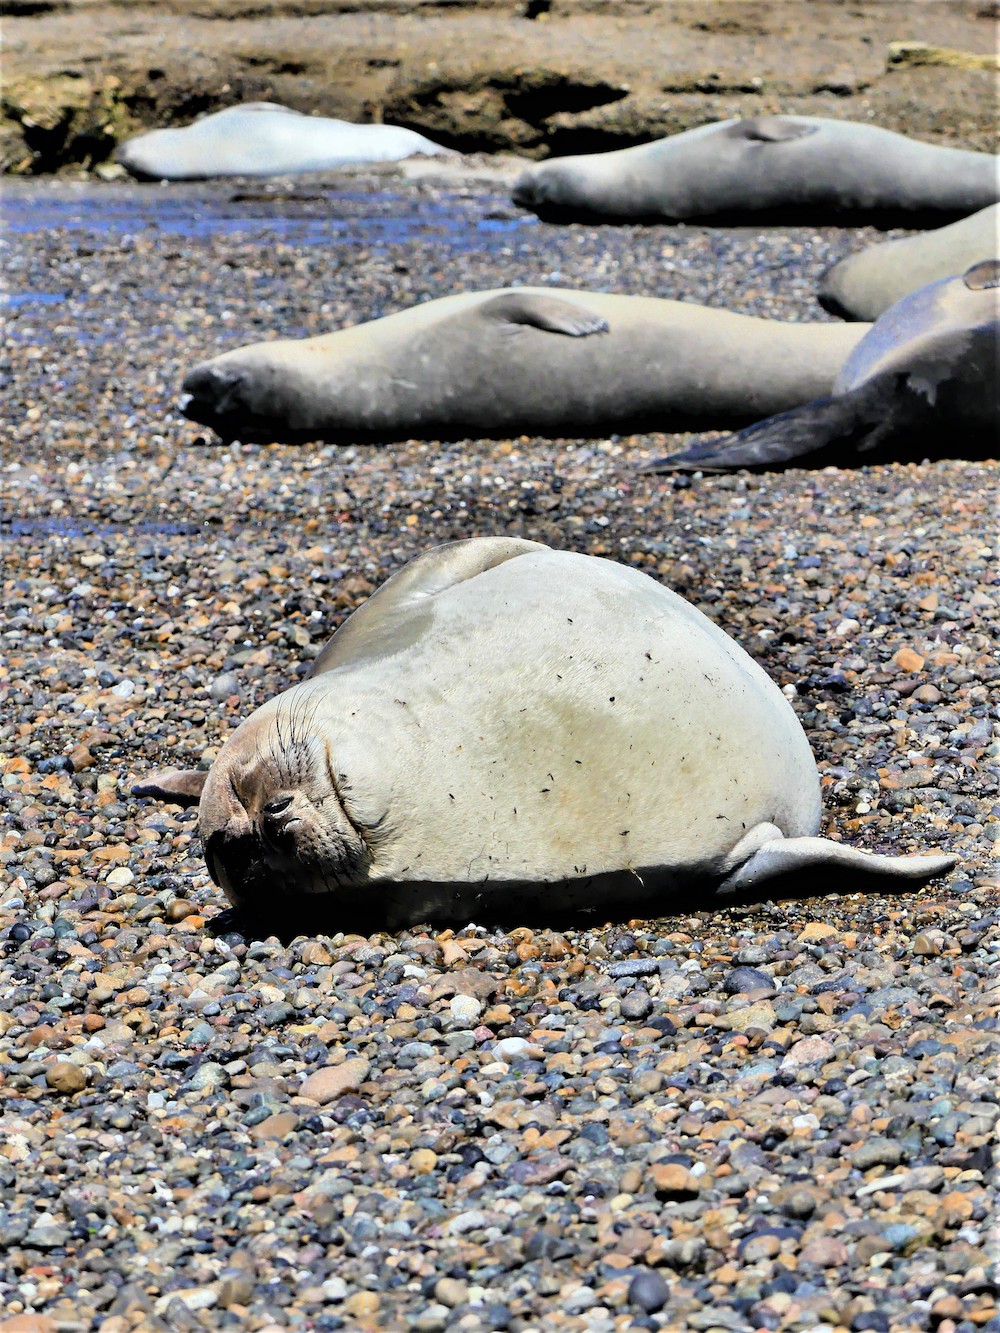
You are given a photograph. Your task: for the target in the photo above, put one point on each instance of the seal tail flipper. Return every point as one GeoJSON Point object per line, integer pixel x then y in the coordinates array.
{"type": "Point", "coordinates": [827, 863]}
{"type": "Point", "coordinates": [549, 313]}
{"type": "Point", "coordinates": [178, 786]}
{"type": "Point", "coordinates": [819, 428]}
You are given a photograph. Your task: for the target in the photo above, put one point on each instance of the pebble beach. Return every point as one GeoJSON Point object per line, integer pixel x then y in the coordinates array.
{"type": "Point", "coordinates": [738, 1115]}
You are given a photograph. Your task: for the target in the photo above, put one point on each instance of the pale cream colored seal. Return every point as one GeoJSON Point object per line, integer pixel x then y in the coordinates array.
{"type": "Point", "coordinates": [503, 724]}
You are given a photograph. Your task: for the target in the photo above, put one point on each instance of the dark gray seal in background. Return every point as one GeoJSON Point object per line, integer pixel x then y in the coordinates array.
{"type": "Point", "coordinates": [866, 284]}
{"type": "Point", "coordinates": [772, 167]}
{"type": "Point", "coordinates": [530, 360]}
{"type": "Point", "coordinates": [923, 382]}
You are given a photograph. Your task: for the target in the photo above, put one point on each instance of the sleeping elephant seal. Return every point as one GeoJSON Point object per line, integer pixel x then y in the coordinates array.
{"type": "Point", "coordinates": [264, 139]}
{"type": "Point", "coordinates": [773, 167]}
{"type": "Point", "coordinates": [865, 285]}
{"type": "Point", "coordinates": [530, 360]}
{"type": "Point", "coordinates": [923, 381]}
{"type": "Point", "coordinates": [503, 724]}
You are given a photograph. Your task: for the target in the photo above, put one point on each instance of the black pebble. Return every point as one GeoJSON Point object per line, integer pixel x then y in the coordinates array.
{"type": "Point", "coordinates": [649, 1291]}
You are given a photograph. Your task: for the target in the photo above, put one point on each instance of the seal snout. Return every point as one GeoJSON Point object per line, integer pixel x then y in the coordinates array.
{"type": "Point", "coordinates": [211, 392]}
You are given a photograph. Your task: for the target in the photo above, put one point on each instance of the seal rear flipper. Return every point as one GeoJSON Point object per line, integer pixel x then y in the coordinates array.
{"type": "Point", "coordinates": [397, 613]}
{"type": "Point", "coordinates": [178, 786]}
{"type": "Point", "coordinates": [825, 428]}
{"type": "Point", "coordinates": [826, 865]}
{"type": "Point", "coordinates": [548, 313]}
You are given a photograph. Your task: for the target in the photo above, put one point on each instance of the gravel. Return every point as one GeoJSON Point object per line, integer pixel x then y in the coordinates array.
{"type": "Point", "coordinates": [752, 1114]}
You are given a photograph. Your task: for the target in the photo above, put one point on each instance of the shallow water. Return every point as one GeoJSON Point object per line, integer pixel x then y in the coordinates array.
{"type": "Point", "coordinates": [369, 217]}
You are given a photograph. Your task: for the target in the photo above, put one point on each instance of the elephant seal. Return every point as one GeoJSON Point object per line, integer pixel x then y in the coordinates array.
{"type": "Point", "coordinates": [503, 723]}
{"type": "Point", "coordinates": [772, 167]}
{"type": "Point", "coordinates": [924, 380]}
{"type": "Point", "coordinates": [264, 139]}
{"type": "Point", "coordinates": [541, 361]}
{"type": "Point", "coordinates": [866, 284]}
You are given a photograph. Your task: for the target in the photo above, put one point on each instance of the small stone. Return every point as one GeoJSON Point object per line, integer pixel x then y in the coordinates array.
{"type": "Point", "coordinates": [808, 1051]}
{"type": "Point", "coordinates": [277, 1126]}
{"type": "Point", "coordinates": [222, 687]}
{"type": "Point", "coordinates": [465, 1009]}
{"type": "Point", "coordinates": [825, 1252]}
{"type": "Point", "coordinates": [236, 1286]}
{"type": "Point", "coordinates": [515, 1048]}
{"type": "Point", "coordinates": [760, 1015]}
{"type": "Point", "coordinates": [814, 931]}
{"type": "Point", "coordinates": [315, 954]}
{"type": "Point", "coordinates": [423, 1161]}
{"type": "Point", "coordinates": [121, 877]}
{"type": "Point", "coordinates": [333, 1081]}
{"type": "Point", "coordinates": [637, 1004]}
{"type": "Point", "coordinates": [451, 1291]}
{"type": "Point", "coordinates": [671, 1180]}
{"type": "Point", "coordinates": [195, 1298]}
{"type": "Point", "coordinates": [755, 1248]}
{"type": "Point", "coordinates": [81, 759]}
{"type": "Point", "coordinates": [649, 1291]}
{"type": "Point", "coordinates": [907, 660]}
{"type": "Point", "coordinates": [928, 944]}
{"type": "Point", "coordinates": [876, 1152]}
{"type": "Point", "coordinates": [179, 908]}
{"type": "Point", "coordinates": [65, 1077]}
{"type": "Point", "coordinates": [362, 1305]}
{"type": "Point", "coordinates": [743, 979]}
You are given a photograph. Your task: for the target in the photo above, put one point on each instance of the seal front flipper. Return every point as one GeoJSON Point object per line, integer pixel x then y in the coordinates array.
{"type": "Point", "coordinates": [823, 865]}
{"type": "Point", "coordinates": [549, 313]}
{"type": "Point", "coordinates": [823, 429]}
{"type": "Point", "coordinates": [178, 786]}
{"type": "Point", "coordinates": [772, 129]}
{"type": "Point", "coordinates": [396, 614]}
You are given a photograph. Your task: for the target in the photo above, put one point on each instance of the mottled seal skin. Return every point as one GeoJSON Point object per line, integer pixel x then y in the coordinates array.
{"type": "Point", "coordinates": [923, 382]}
{"type": "Point", "coordinates": [864, 285]}
{"type": "Point", "coordinates": [786, 168]}
{"type": "Point", "coordinates": [264, 139]}
{"type": "Point", "coordinates": [503, 723]}
{"type": "Point", "coordinates": [541, 361]}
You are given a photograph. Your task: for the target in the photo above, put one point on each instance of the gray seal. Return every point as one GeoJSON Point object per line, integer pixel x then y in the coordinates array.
{"type": "Point", "coordinates": [923, 382]}
{"type": "Point", "coordinates": [503, 724]}
{"type": "Point", "coordinates": [772, 167]}
{"type": "Point", "coordinates": [543, 361]}
{"type": "Point", "coordinates": [864, 285]}
{"type": "Point", "coordinates": [264, 139]}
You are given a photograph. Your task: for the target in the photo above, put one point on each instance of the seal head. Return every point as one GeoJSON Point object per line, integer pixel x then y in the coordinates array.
{"type": "Point", "coordinates": [276, 811]}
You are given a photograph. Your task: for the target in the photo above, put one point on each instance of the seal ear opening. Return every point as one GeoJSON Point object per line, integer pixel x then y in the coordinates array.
{"type": "Point", "coordinates": [174, 785]}
{"type": "Point", "coordinates": [982, 276]}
